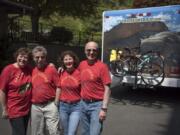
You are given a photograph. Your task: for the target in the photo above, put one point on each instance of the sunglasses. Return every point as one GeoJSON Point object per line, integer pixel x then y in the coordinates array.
{"type": "Point", "coordinates": [93, 50]}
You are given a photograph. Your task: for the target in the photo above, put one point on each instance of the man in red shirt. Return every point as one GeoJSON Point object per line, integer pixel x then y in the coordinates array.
{"type": "Point", "coordinates": [44, 112]}
{"type": "Point", "coordinates": [95, 92]}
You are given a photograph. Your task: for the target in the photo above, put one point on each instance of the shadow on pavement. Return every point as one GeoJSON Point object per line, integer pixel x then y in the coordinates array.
{"type": "Point", "coordinates": [157, 98]}
{"type": "Point", "coordinates": [146, 97]}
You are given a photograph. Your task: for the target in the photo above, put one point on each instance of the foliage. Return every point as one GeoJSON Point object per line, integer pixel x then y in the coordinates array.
{"type": "Point", "coordinates": [82, 17]}
{"type": "Point", "coordinates": [153, 3]}
{"type": "Point", "coordinates": [45, 8]}
{"type": "Point", "coordinates": [93, 23]}
{"type": "Point", "coordinates": [41, 7]}
{"type": "Point", "coordinates": [115, 4]}
{"type": "Point", "coordinates": [78, 8]}
{"type": "Point", "coordinates": [71, 23]}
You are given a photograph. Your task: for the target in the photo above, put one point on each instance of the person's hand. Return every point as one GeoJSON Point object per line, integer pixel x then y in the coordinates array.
{"type": "Point", "coordinates": [56, 102]}
{"type": "Point", "coordinates": [60, 70]}
{"type": "Point", "coordinates": [4, 114]}
{"type": "Point", "coordinates": [102, 115]}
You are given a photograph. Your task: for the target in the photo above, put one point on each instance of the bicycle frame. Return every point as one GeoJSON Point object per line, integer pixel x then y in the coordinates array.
{"type": "Point", "coordinates": [148, 67]}
{"type": "Point", "coordinates": [143, 61]}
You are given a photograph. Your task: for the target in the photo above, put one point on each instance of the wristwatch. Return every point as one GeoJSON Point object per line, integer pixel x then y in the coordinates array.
{"type": "Point", "coordinates": [104, 109]}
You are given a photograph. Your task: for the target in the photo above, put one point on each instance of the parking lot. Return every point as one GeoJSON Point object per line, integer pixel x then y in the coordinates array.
{"type": "Point", "coordinates": [137, 112]}
{"type": "Point", "coordinates": [143, 112]}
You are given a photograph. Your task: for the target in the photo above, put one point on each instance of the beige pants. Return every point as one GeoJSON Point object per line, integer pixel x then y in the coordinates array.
{"type": "Point", "coordinates": [44, 119]}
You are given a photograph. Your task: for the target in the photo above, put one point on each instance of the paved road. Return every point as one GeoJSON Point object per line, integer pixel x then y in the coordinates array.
{"type": "Point", "coordinates": [138, 112]}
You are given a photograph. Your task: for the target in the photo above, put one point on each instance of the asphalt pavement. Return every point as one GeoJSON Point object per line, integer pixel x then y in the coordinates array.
{"type": "Point", "coordinates": [137, 112]}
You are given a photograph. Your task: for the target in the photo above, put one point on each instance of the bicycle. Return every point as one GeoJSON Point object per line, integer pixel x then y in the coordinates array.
{"type": "Point", "coordinates": [149, 66]}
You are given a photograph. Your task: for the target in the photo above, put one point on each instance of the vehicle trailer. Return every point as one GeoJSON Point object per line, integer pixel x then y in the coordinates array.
{"type": "Point", "coordinates": [151, 29]}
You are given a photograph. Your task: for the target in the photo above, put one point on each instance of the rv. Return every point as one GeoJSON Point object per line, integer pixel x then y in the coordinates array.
{"type": "Point", "coordinates": [150, 29]}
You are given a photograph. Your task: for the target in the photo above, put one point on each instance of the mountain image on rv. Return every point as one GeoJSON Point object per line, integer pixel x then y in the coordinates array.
{"type": "Point", "coordinates": [154, 29]}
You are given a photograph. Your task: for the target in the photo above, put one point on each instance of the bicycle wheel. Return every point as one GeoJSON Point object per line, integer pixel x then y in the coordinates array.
{"type": "Point", "coordinates": [116, 68]}
{"type": "Point", "coordinates": [152, 71]}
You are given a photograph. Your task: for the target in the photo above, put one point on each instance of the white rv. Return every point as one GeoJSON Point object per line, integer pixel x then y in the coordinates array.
{"type": "Point", "coordinates": [154, 28]}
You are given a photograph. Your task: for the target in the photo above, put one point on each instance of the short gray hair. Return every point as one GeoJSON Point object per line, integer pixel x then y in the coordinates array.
{"type": "Point", "coordinates": [92, 42]}
{"type": "Point", "coordinates": [39, 49]}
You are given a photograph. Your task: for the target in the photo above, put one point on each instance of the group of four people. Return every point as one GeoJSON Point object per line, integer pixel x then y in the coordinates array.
{"type": "Point", "coordinates": [76, 92]}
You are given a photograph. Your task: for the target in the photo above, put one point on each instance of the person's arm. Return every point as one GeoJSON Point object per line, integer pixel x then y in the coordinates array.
{"type": "Point", "coordinates": [56, 100]}
{"type": "Point", "coordinates": [3, 104]}
{"type": "Point", "coordinates": [55, 78]}
{"type": "Point", "coordinates": [5, 79]}
{"type": "Point", "coordinates": [60, 70]}
{"type": "Point", "coordinates": [103, 111]}
{"type": "Point", "coordinates": [106, 97]}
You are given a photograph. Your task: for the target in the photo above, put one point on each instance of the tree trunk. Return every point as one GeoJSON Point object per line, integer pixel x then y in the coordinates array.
{"type": "Point", "coordinates": [35, 23]}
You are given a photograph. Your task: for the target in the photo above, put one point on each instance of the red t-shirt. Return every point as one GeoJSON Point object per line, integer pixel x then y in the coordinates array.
{"type": "Point", "coordinates": [70, 86]}
{"type": "Point", "coordinates": [44, 84]}
{"type": "Point", "coordinates": [93, 79]}
{"type": "Point", "coordinates": [16, 84]}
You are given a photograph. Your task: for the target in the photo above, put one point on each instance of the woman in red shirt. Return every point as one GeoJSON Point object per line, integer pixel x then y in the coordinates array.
{"type": "Point", "coordinates": [69, 85]}
{"type": "Point", "coordinates": [15, 92]}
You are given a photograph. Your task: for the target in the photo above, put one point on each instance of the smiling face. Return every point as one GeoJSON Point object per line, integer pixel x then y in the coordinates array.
{"type": "Point", "coordinates": [68, 62]}
{"type": "Point", "coordinates": [22, 60]}
{"type": "Point", "coordinates": [91, 51]}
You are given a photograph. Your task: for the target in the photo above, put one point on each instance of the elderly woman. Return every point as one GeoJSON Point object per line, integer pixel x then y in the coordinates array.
{"type": "Point", "coordinates": [69, 85]}
{"type": "Point", "coordinates": [15, 92]}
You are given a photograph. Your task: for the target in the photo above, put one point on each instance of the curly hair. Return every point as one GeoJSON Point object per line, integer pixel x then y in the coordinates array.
{"type": "Point", "coordinates": [23, 51]}
{"type": "Point", "coordinates": [70, 53]}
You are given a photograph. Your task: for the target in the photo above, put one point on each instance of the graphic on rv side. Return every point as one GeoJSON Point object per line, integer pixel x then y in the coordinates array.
{"type": "Point", "coordinates": [156, 28]}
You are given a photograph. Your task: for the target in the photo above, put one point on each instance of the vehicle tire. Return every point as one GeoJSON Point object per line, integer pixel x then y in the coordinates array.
{"type": "Point", "coordinates": [116, 68]}
{"type": "Point", "coordinates": [152, 71]}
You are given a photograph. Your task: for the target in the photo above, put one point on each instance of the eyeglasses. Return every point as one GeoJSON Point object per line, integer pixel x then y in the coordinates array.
{"type": "Point", "coordinates": [93, 50]}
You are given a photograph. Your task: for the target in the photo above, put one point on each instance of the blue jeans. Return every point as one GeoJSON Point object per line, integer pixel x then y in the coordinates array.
{"type": "Point", "coordinates": [90, 123]}
{"type": "Point", "coordinates": [69, 117]}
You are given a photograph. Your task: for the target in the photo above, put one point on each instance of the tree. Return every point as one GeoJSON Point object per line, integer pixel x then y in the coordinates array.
{"type": "Point", "coordinates": [78, 8]}
{"type": "Point", "coordinates": [153, 3]}
{"type": "Point", "coordinates": [44, 8]}
{"type": "Point", "coordinates": [119, 3]}
{"type": "Point", "coordinates": [94, 22]}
